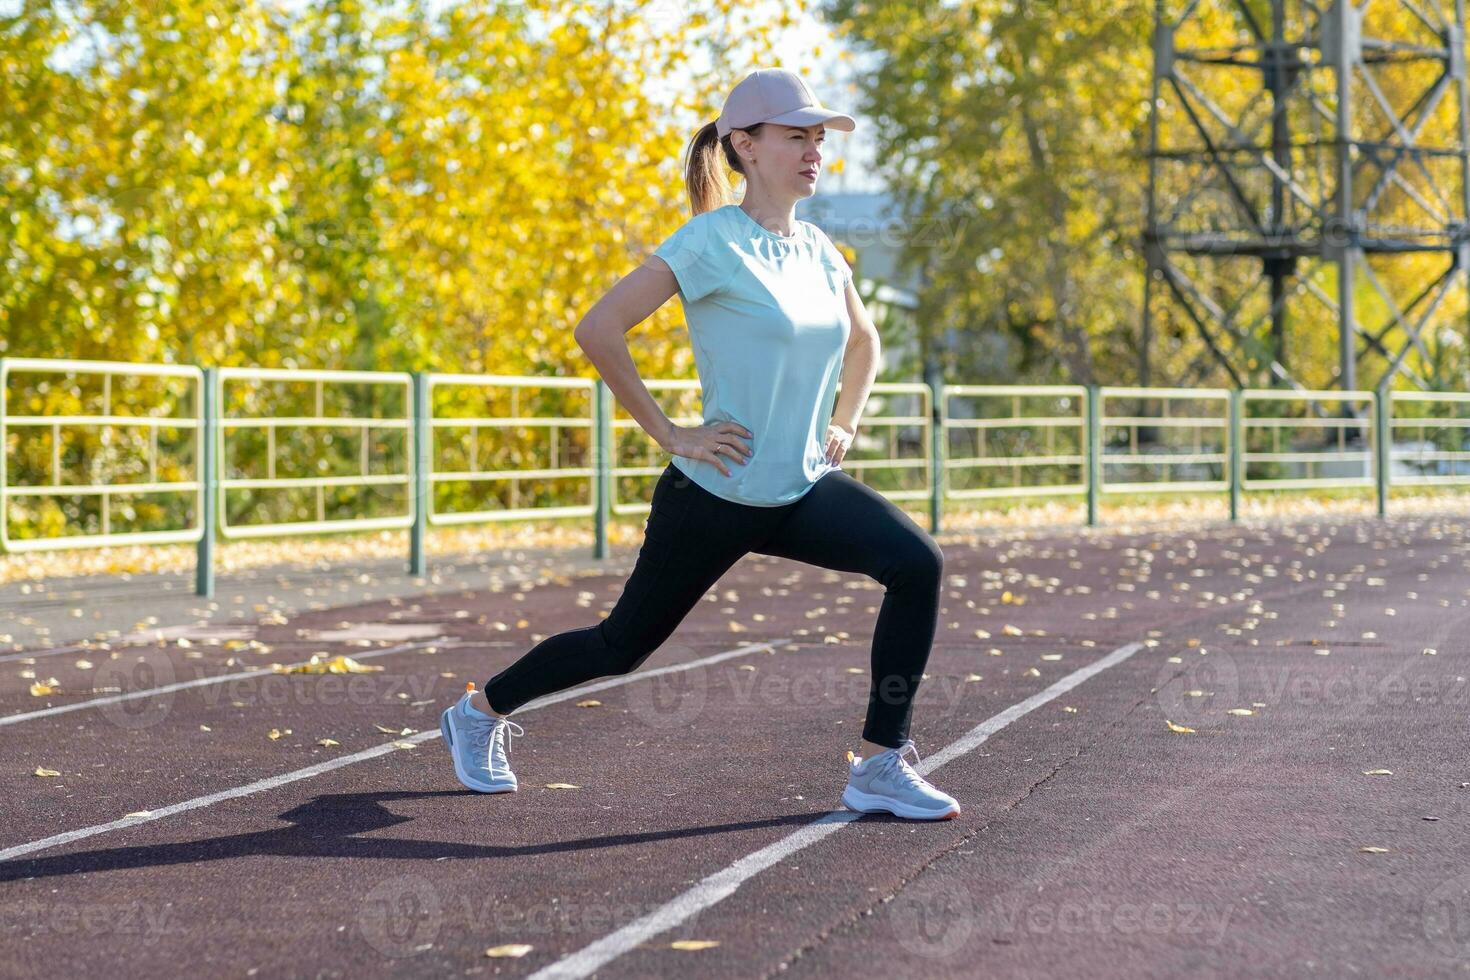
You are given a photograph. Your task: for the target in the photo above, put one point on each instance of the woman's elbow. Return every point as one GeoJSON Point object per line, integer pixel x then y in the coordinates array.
{"type": "Point", "coordinates": [865, 337]}
{"type": "Point", "coordinates": [588, 331]}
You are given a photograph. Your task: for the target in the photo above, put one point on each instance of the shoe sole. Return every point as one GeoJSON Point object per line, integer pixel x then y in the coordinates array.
{"type": "Point", "coordinates": [855, 799]}
{"type": "Point", "coordinates": [447, 730]}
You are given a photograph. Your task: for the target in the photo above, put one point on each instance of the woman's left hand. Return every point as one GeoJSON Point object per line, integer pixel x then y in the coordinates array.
{"type": "Point", "coordinates": [839, 440]}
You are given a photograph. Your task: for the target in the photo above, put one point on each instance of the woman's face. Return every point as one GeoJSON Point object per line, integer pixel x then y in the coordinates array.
{"type": "Point", "coordinates": [788, 159]}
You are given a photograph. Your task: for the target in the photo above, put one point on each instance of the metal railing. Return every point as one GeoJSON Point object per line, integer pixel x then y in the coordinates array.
{"type": "Point", "coordinates": [1009, 441]}
{"type": "Point", "coordinates": [469, 443]}
{"type": "Point", "coordinates": [1315, 430]}
{"type": "Point", "coordinates": [24, 420]}
{"type": "Point", "coordinates": [1438, 451]}
{"type": "Point", "coordinates": [1182, 446]}
{"type": "Point", "coordinates": [257, 452]}
{"type": "Point", "coordinates": [320, 407]}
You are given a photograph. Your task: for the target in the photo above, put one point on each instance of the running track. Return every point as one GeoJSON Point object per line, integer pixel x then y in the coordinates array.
{"type": "Point", "coordinates": [1094, 840]}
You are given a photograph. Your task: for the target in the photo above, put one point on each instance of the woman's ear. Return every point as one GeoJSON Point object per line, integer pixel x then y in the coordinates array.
{"type": "Point", "coordinates": [743, 144]}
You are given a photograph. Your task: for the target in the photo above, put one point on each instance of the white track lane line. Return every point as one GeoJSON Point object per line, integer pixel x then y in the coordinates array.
{"type": "Point", "coordinates": [260, 786]}
{"type": "Point", "coordinates": [722, 884]}
{"type": "Point", "coordinates": [62, 709]}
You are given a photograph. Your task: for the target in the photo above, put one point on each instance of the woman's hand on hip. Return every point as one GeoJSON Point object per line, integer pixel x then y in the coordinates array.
{"type": "Point", "coordinates": [839, 441]}
{"type": "Point", "coordinates": [713, 443]}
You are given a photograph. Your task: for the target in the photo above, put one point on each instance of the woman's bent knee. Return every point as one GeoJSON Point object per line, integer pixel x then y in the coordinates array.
{"type": "Point", "coordinates": [919, 562]}
{"type": "Point", "coordinates": [929, 561]}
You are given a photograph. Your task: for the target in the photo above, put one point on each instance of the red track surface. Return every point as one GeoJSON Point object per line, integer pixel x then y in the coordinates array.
{"type": "Point", "coordinates": [1094, 841]}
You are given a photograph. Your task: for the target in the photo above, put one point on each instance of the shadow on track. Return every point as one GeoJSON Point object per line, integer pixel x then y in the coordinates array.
{"type": "Point", "coordinates": [327, 827]}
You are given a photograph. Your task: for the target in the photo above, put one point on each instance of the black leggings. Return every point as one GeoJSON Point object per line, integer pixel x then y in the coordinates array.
{"type": "Point", "coordinates": [693, 537]}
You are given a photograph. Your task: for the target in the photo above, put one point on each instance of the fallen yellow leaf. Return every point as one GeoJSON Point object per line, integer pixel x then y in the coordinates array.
{"type": "Point", "coordinates": [1377, 772]}
{"type": "Point", "coordinates": [327, 743]}
{"type": "Point", "coordinates": [510, 949]}
{"type": "Point", "coordinates": [589, 703]}
{"type": "Point", "coordinates": [40, 690]}
{"type": "Point", "coordinates": [1374, 850]}
{"type": "Point", "coordinates": [694, 943]}
{"type": "Point", "coordinates": [562, 786]}
{"type": "Point", "coordinates": [1240, 711]}
{"type": "Point", "coordinates": [42, 771]}
{"type": "Point", "coordinates": [1183, 729]}
{"type": "Point", "coordinates": [1031, 672]}
{"type": "Point", "coordinates": [405, 745]}
{"type": "Point", "coordinates": [320, 663]}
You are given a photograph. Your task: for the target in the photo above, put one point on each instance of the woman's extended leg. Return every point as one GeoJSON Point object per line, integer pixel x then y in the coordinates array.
{"type": "Point", "coordinates": [691, 539]}
{"type": "Point", "coordinates": [844, 524]}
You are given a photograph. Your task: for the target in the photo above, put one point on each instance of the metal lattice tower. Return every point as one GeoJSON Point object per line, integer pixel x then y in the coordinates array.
{"type": "Point", "coordinates": [1306, 158]}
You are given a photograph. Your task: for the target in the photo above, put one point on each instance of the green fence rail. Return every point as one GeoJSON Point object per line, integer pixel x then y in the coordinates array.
{"type": "Point", "coordinates": [140, 425]}
{"type": "Point", "coordinates": [308, 452]}
{"type": "Point", "coordinates": [103, 453]}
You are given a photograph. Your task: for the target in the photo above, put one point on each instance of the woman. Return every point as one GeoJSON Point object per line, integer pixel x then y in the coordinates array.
{"type": "Point", "coordinates": [774, 319]}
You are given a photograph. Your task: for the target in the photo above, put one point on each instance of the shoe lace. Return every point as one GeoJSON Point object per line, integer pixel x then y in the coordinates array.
{"type": "Point", "coordinates": [900, 767]}
{"type": "Point", "coordinates": [503, 731]}
{"type": "Point", "coordinates": [500, 729]}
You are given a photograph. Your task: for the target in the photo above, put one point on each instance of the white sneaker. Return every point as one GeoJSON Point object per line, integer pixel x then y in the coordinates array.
{"type": "Point", "coordinates": [477, 743]}
{"type": "Point", "coordinates": [886, 782]}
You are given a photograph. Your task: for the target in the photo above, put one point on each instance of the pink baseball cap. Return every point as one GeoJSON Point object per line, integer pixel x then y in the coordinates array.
{"type": "Point", "coordinates": [775, 95]}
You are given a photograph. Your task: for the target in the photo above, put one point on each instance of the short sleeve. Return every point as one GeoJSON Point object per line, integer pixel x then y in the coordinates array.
{"type": "Point", "coordinates": [834, 258]}
{"type": "Point", "coordinates": [698, 256]}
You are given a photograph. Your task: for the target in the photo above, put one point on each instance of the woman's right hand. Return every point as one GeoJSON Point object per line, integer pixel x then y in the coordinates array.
{"type": "Point", "coordinates": [713, 443]}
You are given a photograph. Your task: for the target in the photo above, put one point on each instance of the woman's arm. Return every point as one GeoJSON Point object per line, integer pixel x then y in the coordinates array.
{"type": "Point", "coordinates": [859, 364]}
{"type": "Point", "coordinates": [602, 335]}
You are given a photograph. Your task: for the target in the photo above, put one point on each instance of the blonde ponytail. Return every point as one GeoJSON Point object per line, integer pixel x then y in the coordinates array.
{"type": "Point", "coordinates": [705, 175]}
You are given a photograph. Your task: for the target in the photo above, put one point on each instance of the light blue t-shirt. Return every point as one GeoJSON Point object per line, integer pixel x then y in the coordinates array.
{"type": "Point", "coordinates": [767, 317]}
